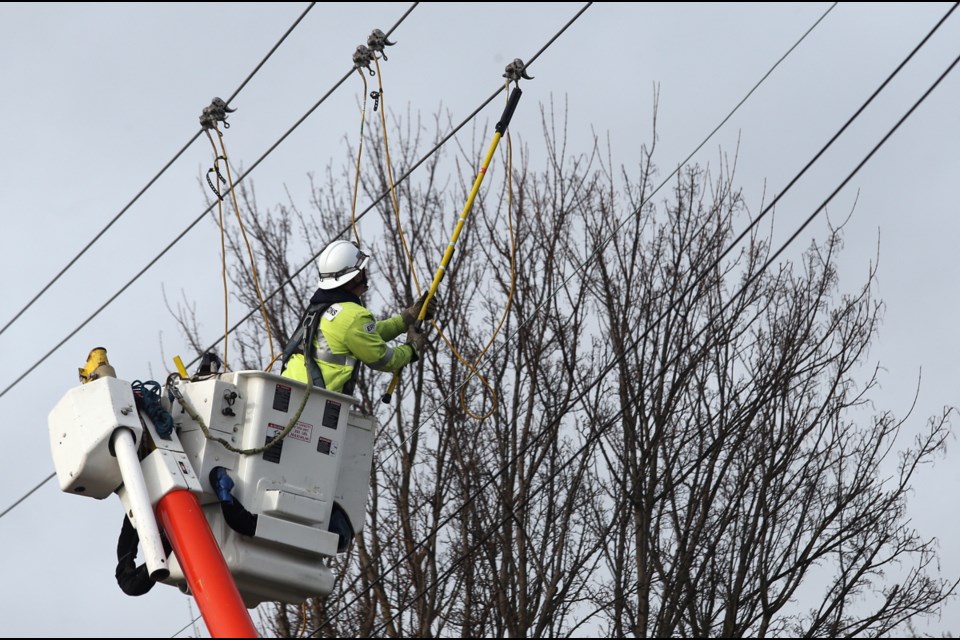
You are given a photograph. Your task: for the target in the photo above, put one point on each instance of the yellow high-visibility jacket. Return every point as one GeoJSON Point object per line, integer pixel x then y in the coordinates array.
{"type": "Point", "coordinates": [349, 333]}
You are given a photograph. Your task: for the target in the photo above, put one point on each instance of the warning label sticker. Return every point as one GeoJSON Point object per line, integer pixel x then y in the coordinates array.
{"type": "Point", "coordinates": [301, 431]}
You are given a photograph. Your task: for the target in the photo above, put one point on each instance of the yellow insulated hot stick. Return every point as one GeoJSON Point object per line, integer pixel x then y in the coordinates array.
{"type": "Point", "coordinates": [501, 128]}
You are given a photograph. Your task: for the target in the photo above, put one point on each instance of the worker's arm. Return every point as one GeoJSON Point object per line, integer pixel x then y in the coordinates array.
{"type": "Point", "coordinates": [366, 342]}
{"type": "Point", "coordinates": [391, 327]}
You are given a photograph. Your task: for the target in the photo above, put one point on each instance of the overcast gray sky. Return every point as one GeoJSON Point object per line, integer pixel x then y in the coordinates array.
{"type": "Point", "coordinates": [96, 98]}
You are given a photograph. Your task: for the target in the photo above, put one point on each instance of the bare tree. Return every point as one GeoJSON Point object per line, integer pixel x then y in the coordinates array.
{"type": "Point", "coordinates": [626, 428]}
{"type": "Point", "coordinates": [736, 474]}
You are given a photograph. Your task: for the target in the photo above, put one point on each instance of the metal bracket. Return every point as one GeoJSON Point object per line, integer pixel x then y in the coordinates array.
{"type": "Point", "coordinates": [362, 58]}
{"type": "Point", "coordinates": [377, 41]}
{"type": "Point", "coordinates": [216, 112]}
{"type": "Point", "coordinates": [516, 70]}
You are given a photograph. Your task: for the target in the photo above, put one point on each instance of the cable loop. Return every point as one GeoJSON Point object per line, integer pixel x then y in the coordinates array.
{"type": "Point", "coordinates": [147, 396]}
{"type": "Point", "coordinates": [216, 168]}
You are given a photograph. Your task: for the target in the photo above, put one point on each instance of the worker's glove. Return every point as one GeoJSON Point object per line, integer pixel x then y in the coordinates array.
{"type": "Point", "coordinates": [411, 313]}
{"type": "Point", "coordinates": [416, 339]}
{"type": "Point", "coordinates": [222, 484]}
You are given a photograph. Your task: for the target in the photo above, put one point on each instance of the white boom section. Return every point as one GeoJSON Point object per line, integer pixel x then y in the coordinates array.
{"type": "Point", "coordinates": [302, 500]}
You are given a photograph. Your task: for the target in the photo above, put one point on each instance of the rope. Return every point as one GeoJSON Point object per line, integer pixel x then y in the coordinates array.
{"type": "Point", "coordinates": [209, 121]}
{"type": "Point", "coordinates": [174, 390]}
{"type": "Point", "coordinates": [391, 182]}
{"type": "Point", "coordinates": [223, 247]}
{"type": "Point", "coordinates": [147, 396]}
{"type": "Point", "coordinates": [356, 180]}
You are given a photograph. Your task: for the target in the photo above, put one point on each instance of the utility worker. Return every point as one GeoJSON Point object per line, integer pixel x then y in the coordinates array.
{"type": "Point", "coordinates": [342, 333]}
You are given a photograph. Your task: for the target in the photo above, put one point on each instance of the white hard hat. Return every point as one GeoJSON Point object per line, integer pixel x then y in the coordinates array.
{"type": "Point", "coordinates": [339, 263]}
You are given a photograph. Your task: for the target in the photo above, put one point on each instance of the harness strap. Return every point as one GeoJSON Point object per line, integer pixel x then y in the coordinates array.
{"type": "Point", "coordinates": [305, 335]}
{"type": "Point", "coordinates": [295, 344]}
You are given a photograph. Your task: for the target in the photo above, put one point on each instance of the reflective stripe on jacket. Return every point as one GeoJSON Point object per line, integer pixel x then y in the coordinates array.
{"type": "Point", "coordinates": [349, 332]}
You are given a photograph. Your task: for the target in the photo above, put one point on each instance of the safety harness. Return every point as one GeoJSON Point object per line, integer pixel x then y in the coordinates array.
{"type": "Point", "coordinates": [302, 342]}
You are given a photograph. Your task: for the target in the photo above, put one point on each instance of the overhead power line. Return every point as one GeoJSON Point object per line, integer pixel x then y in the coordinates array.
{"type": "Point", "coordinates": [186, 230]}
{"type": "Point", "coordinates": [150, 182]}
{"type": "Point", "coordinates": [399, 180]}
